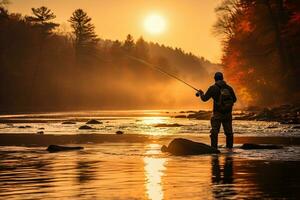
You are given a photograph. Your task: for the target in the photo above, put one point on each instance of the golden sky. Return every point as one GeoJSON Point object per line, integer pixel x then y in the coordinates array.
{"type": "Point", "coordinates": [188, 22]}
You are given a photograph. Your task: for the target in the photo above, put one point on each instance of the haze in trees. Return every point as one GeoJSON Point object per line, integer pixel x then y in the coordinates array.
{"type": "Point", "coordinates": [42, 69]}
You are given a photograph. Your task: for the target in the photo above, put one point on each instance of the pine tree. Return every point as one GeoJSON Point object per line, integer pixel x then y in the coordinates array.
{"type": "Point", "coordinates": [42, 17]}
{"type": "Point", "coordinates": [129, 44]}
{"type": "Point", "coordinates": [84, 32]}
{"type": "Point", "coordinates": [142, 49]}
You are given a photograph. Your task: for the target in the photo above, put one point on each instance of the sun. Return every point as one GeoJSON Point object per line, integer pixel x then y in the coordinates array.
{"type": "Point", "coordinates": [155, 24]}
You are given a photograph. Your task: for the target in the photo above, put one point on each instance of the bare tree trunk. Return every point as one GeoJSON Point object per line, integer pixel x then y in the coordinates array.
{"type": "Point", "coordinates": [276, 22]}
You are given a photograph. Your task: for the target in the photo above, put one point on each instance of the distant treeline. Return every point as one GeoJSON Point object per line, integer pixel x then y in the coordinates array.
{"type": "Point", "coordinates": [261, 41]}
{"type": "Point", "coordinates": [43, 68]}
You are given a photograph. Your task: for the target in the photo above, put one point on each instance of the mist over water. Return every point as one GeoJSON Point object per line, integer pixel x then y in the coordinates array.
{"type": "Point", "coordinates": [145, 122]}
{"type": "Point", "coordinates": [53, 74]}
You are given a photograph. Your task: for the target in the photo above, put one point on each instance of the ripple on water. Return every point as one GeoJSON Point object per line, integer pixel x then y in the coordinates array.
{"type": "Point", "coordinates": [93, 173]}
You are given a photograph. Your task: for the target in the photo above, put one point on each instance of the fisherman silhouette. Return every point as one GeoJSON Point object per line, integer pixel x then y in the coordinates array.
{"type": "Point", "coordinates": [224, 98]}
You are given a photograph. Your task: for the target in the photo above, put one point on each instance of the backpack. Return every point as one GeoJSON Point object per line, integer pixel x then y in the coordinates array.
{"type": "Point", "coordinates": [225, 102]}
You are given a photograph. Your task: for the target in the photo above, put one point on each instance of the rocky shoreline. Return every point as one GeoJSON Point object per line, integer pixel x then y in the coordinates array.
{"type": "Point", "coordinates": [285, 114]}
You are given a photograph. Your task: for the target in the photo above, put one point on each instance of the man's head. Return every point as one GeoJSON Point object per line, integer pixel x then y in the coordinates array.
{"type": "Point", "coordinates": [218, 76]}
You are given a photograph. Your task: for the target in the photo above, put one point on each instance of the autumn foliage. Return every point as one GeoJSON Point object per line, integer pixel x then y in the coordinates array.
{"type": "Point", "coordinates": [261, 45]}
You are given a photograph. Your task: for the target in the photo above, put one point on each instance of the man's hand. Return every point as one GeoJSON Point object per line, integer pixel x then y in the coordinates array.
{"type": "Point", "coordinates": [199, 93]}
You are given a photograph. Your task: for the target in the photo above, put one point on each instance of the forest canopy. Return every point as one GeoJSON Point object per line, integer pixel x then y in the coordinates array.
{"type": "Point", "coordinates": [43, 68]}
{"type": "Point", "coordinates": [261, 47]}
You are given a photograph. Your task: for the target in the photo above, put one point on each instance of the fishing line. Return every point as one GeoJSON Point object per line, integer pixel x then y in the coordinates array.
{"type": "Point", "coordinates": [157, 68]}
{"type": "Point", "coordinates": [161, 71]}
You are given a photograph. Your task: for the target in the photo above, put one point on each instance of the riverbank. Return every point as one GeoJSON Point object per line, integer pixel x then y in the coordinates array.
{"type": "Point", "coordinates": [285, 114]}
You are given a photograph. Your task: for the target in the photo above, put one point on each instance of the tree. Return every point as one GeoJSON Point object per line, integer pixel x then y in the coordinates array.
{"type": "Point", "coordinates": [129, 44]}
{"type": "Point", "coordinates": [42, 17]}
{"type": "Point", "coordinates": [4, 3]}
{"type": "Point", "coordinates": [142, 49]}
{"type": "Point", "coordinates": [116, 49]}
{"type": "Point", "coordinates": [259, 49]}
{"type": "Point", "coordinates": [84, 31]}
{"type": "Point", "coordinates": [3, 11]}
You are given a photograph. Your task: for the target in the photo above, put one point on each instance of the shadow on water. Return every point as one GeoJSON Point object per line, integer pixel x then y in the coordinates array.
{"type": "Point", "coordinates": [269, 179]}
{"type": "Point", "coordinates": [239, 178]}
{"type": "Point", "coordinates": [222, 177]}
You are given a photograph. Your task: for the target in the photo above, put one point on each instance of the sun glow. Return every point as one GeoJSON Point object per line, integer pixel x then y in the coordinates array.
{"type": "Point", "coordinates": [155, 24]}
{"type": "Point", "coordinates": [153, 120]}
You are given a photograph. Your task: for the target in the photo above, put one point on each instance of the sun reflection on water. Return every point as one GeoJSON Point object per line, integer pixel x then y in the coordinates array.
{"type": "Point", "coordinates": [154, 170]}
{"type": "Point", "coordinates": [153, 120]}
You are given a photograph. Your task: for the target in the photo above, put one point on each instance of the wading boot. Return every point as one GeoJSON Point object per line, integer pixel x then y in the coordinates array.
{"type": "Point", "coordinates": [214, 141]}
{"type": "Point", "coordinates": [229, 141]}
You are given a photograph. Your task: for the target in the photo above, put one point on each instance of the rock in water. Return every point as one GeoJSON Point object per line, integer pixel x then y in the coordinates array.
{"type": "Point", "coordinates": [68, 122]}
{"type": "Point", "coordinates": [40, 133]}
{"type": "Point", "coordinates": [167, 125]}
{"type": "Point", "coordinates": [180, 147]}
{"type": "Point", "coordinates": [296, 127]}
{"type": "Point", "coordinates": [93, 121]}
{"type": "Point", "coordinates": [56, 148]}
{"type": "Point", "coordinates": [85, 127]}
{"type": "Point", "coordinates": [248, 146]}
{"type": "Point", "coordinates": [119, 132]}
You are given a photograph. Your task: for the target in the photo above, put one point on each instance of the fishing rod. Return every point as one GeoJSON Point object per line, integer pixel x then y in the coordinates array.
{"type": "Point", "coordinates": [161, 71]}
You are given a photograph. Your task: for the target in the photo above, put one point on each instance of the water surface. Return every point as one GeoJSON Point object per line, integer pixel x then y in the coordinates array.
{"type": "Point", "coordinates": [139, 170]}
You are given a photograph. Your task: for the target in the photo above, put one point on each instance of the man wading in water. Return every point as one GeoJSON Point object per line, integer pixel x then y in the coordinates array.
{"type": "Point", "coordinates": [224, 98]}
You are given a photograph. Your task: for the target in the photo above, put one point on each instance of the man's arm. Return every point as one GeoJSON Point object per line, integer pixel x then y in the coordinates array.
{"type": "Point", "coordinates": [207, 95]}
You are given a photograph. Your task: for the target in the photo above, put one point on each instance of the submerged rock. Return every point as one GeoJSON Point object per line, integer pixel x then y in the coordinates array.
{"type": "Point", "coordinates": [85, 127]}
{"type": "Point", "coordinates": [180, 116]}
{"type": "Point", "coordinates": [68, 122]}
{"type": "Point", "coordinates": [202, 115]}
{"type": "Point", "coordinates": [181, 146]}
{"type": "Point", "coordinates": [40, 133]}
{"type": "Point", "coordinates": [93, 121]}
{"type": "Point", "coordinates": [25, 126]}
{"type": "Point", "coordinates": [119, 132]}
{"type": "Point", "coordinates": [168, 125]}
{"type": "Point", "coordinates": [56, 148]}
{"type": "Point", "coordinates": [248, 146]}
